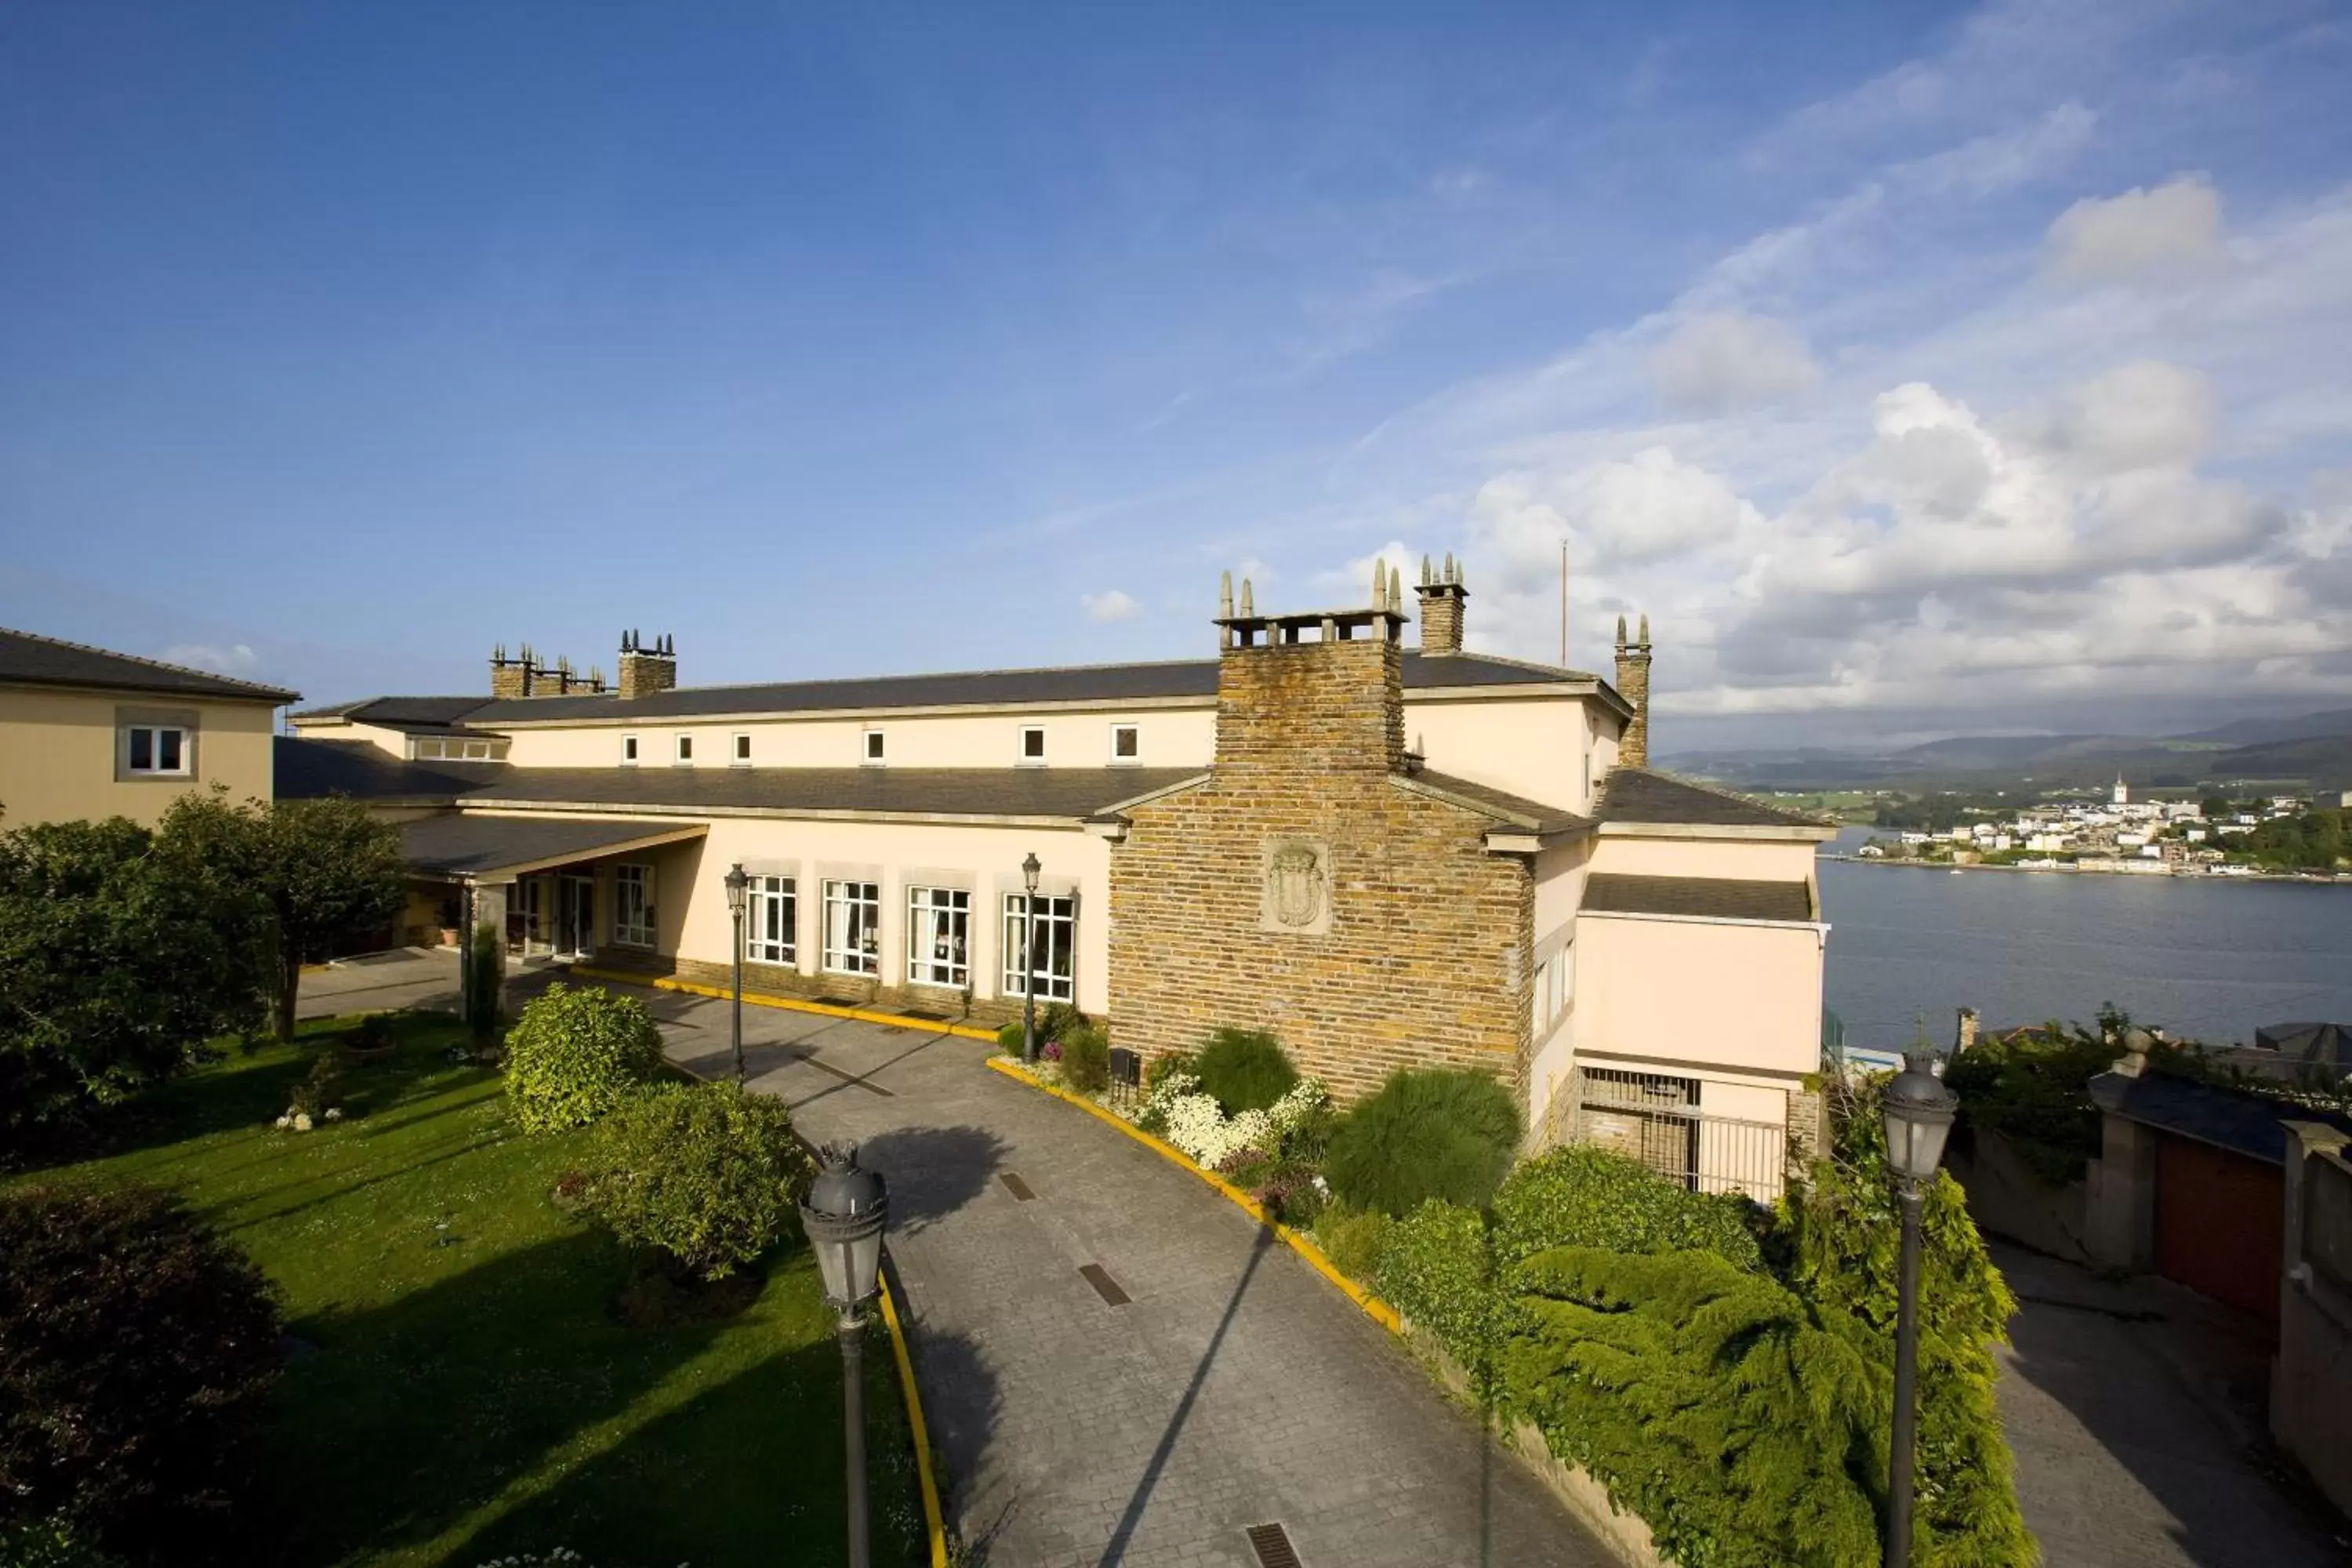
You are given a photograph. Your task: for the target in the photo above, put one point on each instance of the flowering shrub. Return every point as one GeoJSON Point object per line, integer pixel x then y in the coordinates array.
{"type": "Point", "coordinates": [1178, 1111]}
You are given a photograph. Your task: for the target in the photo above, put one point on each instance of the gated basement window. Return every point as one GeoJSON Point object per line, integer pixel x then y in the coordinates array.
{"type": "Point", "coordinates": [1126, 745]}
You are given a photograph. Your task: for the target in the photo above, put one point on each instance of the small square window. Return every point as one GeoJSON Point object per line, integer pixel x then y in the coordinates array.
{"type": "Point", "coordinates": [156, 749]}
{"type": "Point", "coordinates": [872, 746]}
{"type": "Point", "coordinates": [686, 751]}
{"type": "Point", "coordinates": [628, 750]}
{"type": "Point", "coordinates": [477, 751]}
{"type": "Point", "coordinates": [1032, 743]}
{"type": "Point", "coordinates": [743, 755]}
{"type": "Point", "coordinates": [1125, 743]}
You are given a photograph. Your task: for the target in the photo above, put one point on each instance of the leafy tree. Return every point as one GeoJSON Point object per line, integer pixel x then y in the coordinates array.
{"type": "Point", "coordinates": [328, 869]}
{"type": "Point", "coordinates": [136, 1347]}
{"type": "Point", "coordinates": [2217, 808]}
{"type": "Point", "coordinates": [117, 962]}
{"type": "Point", "coordinates": [709, 1173]}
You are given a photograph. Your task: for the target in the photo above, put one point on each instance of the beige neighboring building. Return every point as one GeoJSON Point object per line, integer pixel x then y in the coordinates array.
{"type": "Point", "coordinates": [85, 733]}
{"type": "Point", "coordinates": [1386, 854]}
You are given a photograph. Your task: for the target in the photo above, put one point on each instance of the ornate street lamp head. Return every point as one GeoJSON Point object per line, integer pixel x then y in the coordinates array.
{"type": "Point", "coordinates": [1029, 870]}
{"type": "Point", "coordinates": [1918, 1110]}
{"type": "Point", "coordinates": [844, 1216]}
{"type": "Point", "coordinates": [736, 882]}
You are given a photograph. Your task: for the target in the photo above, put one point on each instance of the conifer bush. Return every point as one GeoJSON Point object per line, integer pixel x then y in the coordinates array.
{"type": "Point", "coordinates": [1244, 1069]}
{"type": "Point", "coordinates": [1085, 1059]}
{"type": "Point", "coordinates": [1425, 1134]}
{"type": "Point", "coordinates": [576, 1054]}
{"type": "Point", "coordinates": [709, 1173]}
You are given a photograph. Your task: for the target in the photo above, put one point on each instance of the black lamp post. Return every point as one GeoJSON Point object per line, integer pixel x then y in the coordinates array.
{"type": "Point", "coordinates": [843, 1216]}
{"type": "Point", "coordinates": [735, 884]}
{"type": "Point", "coordinates": [1919, 1112]}
{"type": "Point", "coordinates": [1029, 870]}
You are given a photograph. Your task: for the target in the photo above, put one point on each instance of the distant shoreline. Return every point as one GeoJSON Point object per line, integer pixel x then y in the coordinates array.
{"type": "Point", "coordinates": [2309, 879]}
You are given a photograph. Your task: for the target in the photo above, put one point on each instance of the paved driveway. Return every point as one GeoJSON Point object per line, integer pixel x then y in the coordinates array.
{"type": "Point", "coordinates": [1229, 1386]}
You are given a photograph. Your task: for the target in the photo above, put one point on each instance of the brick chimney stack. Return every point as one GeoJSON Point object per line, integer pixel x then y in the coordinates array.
{"type": "Point", "coordinates": [1633, 686]}
{"type": "Point", "coordinates": [1312, 694]}
{"type": "Point", "coordinates": [1442, 595]}
{"type": "Point", "coordinates": [646, 670]}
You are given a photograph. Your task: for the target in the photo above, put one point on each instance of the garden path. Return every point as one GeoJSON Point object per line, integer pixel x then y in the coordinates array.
{"type": "Point", "coordinates": [1231, 1386]}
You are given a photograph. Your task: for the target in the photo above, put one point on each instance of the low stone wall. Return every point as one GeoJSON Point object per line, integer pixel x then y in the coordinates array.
{"type": "Point", "coordinates": [852, 990]}
{"type": "Point", "coordinates": [2007, 1199]}
{"type": "Point", "coordinates": [1625, 1535]}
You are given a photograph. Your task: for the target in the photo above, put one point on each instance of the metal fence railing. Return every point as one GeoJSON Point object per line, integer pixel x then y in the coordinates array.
{"type": "Point", "coordinates": [1656, 1120]}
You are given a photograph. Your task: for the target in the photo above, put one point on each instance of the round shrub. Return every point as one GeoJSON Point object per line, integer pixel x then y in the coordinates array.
{"type": "Point", "coordinates": [136, 1347]}
{"type": "Point", "coordinates": [1425, 1134]}
{"type": "Point", "coordinates": [577, 1054]}
{"type": "Point", "coordinates": [1244, 1069]}
{"type": "Point", "coordinates": [1582, 1196]}
{"type": "Point", "coordinates": [1009, 1038]}
{"type": "Point", "coordinates": [1085, 1059]}
{"type": "Point", "coordinates": [710, 1174]}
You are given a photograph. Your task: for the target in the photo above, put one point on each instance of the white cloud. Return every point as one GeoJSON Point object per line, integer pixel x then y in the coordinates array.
{"type": "Point", "coordinates": [2174, 227]}
{"type": "Point", "coordinates": [1109, 605]}
{"type": "Point", "coordinates": [235, 660]}
{"type": "Point", "coordinates": [1723, 359]}
{"type": "Point", "coordinates": [1352, 584]}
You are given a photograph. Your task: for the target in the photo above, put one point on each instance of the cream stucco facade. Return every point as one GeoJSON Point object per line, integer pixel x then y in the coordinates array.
{"type": "Point", "coordinates": [66, 753]}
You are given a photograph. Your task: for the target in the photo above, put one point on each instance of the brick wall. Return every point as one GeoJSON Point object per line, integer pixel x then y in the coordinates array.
{"type": "Point", "coordinates": [1425, 958]}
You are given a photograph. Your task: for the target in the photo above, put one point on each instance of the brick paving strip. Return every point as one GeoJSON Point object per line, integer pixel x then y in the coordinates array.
{"type": "Point", "coordinates": [1123, 1370]}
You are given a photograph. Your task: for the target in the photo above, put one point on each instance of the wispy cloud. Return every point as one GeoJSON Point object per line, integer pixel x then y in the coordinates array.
{"type": "Point", "coordinates": [1111, 605]}
{"type": "Point", "coordinates": [236, 658]}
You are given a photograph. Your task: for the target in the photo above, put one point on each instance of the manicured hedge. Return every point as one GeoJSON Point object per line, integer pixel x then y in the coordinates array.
{"type": "Point", "coordinates": [1583, 1196]}
{"type": "Point", "coordinates": [577, 1054]}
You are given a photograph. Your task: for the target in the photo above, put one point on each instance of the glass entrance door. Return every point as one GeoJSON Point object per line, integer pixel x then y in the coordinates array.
{"type": "Point", "coordinates": [575, 915]}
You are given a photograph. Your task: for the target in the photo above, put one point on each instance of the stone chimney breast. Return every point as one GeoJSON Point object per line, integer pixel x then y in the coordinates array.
{"type": "Point", "coordinates": [646, 668]}
{"type": "Point", "coordinates": [1633, 686]}
{"type": "Point", "coordinates": [1441, 598]}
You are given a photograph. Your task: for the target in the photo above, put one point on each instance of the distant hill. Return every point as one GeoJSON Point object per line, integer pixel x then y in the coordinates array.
{"type": "Point", "coordinates": [2313, 750]}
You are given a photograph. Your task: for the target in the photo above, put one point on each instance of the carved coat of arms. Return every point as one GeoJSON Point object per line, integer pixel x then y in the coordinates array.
{"type": "Point", "coordinates": [1297, 894]}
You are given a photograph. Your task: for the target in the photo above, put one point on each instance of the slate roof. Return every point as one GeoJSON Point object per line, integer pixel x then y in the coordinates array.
{"type": "Point", "coordinates": [28, 659]}
{"type": "Point", "coordinates": [983, 688]}
{"type": "Point", "coordinates": [1719, 898]}
{"type": "Point", "coordinates": [2242, 1123]}
{"type": "Point", "coordinates": [478, 846]}
{"type": "Point", "coordinates": [1515, 809]}
{"type": "Point", "coordinates": [1074, 793]}
{"type": "Point", "coordinates": [1647, 796]}
{"type": "Point", "coordinates": [307, 768]}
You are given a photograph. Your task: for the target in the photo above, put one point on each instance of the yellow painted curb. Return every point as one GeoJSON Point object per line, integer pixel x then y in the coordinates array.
{"type": "Point", "coordinates": [1380, 1312]}
{"type": "Point", "coordinates": [934, 1520]}
{"type": "Point", "coordinates": [789, 1004]}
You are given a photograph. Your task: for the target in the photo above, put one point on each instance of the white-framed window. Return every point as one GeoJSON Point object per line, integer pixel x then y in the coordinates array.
{"type": "Point", "coordinates": [158, 748]}
{"type": "Point", "coordinates": [853, 928]}
{"type": "Point", "coordinates": [870, 752]}
{"type": "Point", "coordinates": [939, 921]}
{"type": "Point", "coordinates": [1126, 745]}
{"type": "Point", "coordinates": [632, 906]}
{"type": "Point", "coordinates": [1050, 949]}
{"type": "Point", "coordinates": [628, 750]}
{"type": "Point", "coordinates": [739, 750]}
{"type": "Point", "coordinates": [477, 751]}
{"type": "Point", "coordinates": [684, 754]}
{"type": "Point", "coordinates": [429, 750]}
{"type": "Point", "coordinates": [1033, 745]}
{"type": "Point", "coordinates": [771, 917]}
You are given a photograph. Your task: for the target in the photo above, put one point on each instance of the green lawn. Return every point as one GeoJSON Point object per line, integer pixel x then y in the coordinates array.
{"type": "Point", "coordinates": [468, 1395]}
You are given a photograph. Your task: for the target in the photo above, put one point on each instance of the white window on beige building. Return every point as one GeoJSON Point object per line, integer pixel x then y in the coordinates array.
{"type": "Point", "coordinates": [1126, 745]}
{"type": "Point", "coordinates": [1033, 745]}
{"type": "Point", "coordinates": [683, 755]}
{"type": "Point", "coordinates": [159, 748]}
{"type": "Point", "coordinates": [938, 921]}
{"type": "Point", "coordinates": [772, 921]}
{"type": "Point", "coordinates": [632, 906]}
{"type": "Point", "coordinates": [853, 928]}
{"type": "Point", "coordinates": [1051, 948]}
{"type": "Point", "coordinates": [628, 750]}
{"type": "Point", "coordinates": [871, 755]}
{"type": "Point", "coordinates": [739, 750]}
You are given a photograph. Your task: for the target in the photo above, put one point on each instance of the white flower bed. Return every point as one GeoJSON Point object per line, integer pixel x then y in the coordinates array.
{"type": "Point", "coordinates": [1208, 1137]}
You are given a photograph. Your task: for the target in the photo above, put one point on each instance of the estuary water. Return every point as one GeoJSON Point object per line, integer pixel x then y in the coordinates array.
{"type": "Point", "coordinates": [2207, 958]}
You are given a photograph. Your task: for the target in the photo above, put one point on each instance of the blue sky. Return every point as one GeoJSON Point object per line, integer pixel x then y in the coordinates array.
{"type": "Point", "coordinates": [1915, 368]}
